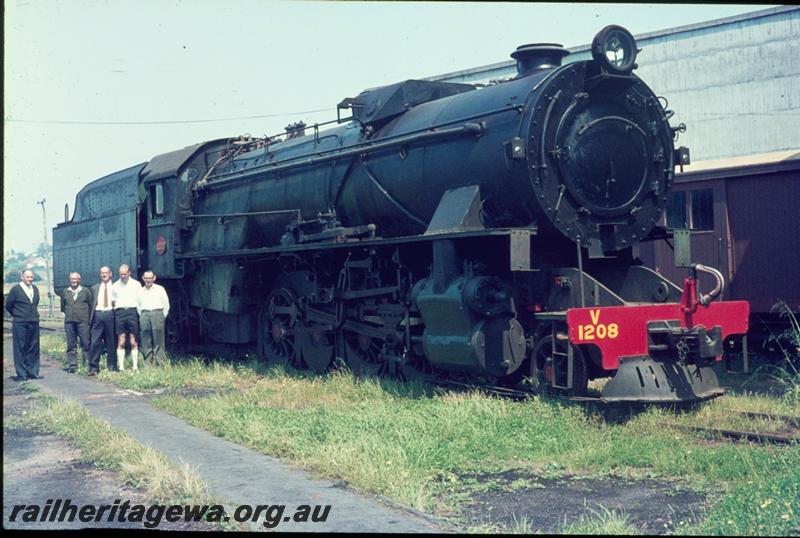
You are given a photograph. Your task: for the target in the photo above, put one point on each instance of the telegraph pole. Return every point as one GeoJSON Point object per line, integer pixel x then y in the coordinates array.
{"type": "Point", "coordinates": [46, 256]}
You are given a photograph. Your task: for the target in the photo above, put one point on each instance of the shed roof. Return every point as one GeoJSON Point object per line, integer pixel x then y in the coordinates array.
{"type": "Point", "coordinates": [775, 161]}
{"type": "Point", "coordinates": [745, 160]}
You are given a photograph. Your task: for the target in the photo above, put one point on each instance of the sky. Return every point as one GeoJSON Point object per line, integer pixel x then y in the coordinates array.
{"type": "Point", "coordinates": [96, 86]}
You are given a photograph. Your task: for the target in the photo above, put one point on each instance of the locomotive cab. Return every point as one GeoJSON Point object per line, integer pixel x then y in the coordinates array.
{"type": "Point", "coordinates": [166, 218]}
{"type": "Point", "coordinates": [157, 222]}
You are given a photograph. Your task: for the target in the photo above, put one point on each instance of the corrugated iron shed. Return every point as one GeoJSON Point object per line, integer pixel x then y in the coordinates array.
{"type": "Point", "coordinates": [735, 82]}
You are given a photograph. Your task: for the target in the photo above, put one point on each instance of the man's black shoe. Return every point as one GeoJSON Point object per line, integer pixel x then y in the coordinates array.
{"type": "Point", "coordinates": [17, 378]}
{"type": "Point", "coordinates": [71, 370]}
{"type": "Point", "coordinates": [35, 377]}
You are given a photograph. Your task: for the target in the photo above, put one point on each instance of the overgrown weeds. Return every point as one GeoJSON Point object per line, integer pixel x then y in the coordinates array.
{"type": "Point", "coordinates": [789, 340]}
{"type": "Point", "coordinates": [788, 372]}
{"type": "Point", "coordinates": [602, 522]}
{"type": "Point", "coordinates": [108, 448]}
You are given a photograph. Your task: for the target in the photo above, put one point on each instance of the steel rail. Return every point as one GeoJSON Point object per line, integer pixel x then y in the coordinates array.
{"type": "Point", "coordinates": [769, 437]}
{"type": "Point", "coordinates": [793, 420]}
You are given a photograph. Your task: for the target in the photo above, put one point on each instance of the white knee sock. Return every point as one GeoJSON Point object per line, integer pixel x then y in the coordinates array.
{"type": "Point", "coordinates": [135, 357]}
{"type": "Point", "coordinates": [121, 359]}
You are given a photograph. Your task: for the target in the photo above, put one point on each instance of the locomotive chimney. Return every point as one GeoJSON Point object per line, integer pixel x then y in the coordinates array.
{"type": "Point", "coordinates": [536, 56]}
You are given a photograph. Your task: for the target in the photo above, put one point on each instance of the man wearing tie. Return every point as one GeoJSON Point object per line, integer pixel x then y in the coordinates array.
{"type": "Point", "coordinates": [102, 324]}
{"type": "Point", "coordinates": [22, 303]}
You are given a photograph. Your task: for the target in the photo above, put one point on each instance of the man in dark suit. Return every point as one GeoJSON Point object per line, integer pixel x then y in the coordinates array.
{"type": "Point", "coordinates": [102, 323]}
{"type": "Point", "coordinates": [77, 305]}
{"type": "Point", "coordinates": [22, 303]}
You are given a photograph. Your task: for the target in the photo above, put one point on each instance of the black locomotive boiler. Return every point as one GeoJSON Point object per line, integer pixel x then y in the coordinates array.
{"type": "Point", "coordinates": [438, 229]}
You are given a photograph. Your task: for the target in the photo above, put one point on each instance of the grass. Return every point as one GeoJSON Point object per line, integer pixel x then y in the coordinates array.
{"type": "Point", "coordinates": [789, 374]}
{"type": "Point", "coordinates": [791, 351]}
{"type": "Point", "coordinates": [407, 447]}
{"type": "Point", "coordinates": [601, 522]}
{"type": "Point", "coordinates": [139, 466]}
{"type": "Point", "coordinates": [412, 444]}
{"type": "Point", "coordinates": [759, 507]}
{"type": "Point", "coordinates": [521, 526]}
{"type": "Point", "coordinates": [105, 447]}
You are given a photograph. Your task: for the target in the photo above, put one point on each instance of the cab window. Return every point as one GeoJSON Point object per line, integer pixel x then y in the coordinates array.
{"type": "Point", "coordinates": [157, 200]}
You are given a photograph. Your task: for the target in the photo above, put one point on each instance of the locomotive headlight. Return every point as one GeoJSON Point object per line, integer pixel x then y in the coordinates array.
{"type": "Point", "coordinates": [615, 49]}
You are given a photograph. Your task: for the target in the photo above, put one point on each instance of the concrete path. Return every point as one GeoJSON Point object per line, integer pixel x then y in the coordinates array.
{"type": "Point", "coordinates": [233, 473]}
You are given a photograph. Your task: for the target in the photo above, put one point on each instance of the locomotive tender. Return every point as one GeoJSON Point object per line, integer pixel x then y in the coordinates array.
{"type": "Point", "coordinates": [440, 229]}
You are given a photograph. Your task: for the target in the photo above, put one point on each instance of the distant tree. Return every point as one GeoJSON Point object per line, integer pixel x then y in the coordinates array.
{"type": "Point", "coordinates": [41, 250]}
{"type": "Point", "coordinates": [12, 256]}
{"type": "Point", "coordinates": [15, 275]}
{"type": "Point", "coordinates": [12, 264]}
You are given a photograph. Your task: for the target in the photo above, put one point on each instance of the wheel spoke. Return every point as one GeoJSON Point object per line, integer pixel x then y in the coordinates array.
{"type": "Point", "coordinates": [283, 310]}
{"type": "Point", "coordinates": [317, 346]}
{"type": "Point", "coordinates": [276, 328]}
{"type": "Point", "coordinates": [363, 354]}
{"type": "Point", "coordinates": [549, 367]}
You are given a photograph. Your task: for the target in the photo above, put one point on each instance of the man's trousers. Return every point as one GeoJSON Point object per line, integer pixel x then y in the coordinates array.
{"type": "Point", "coordinates": [77, 330]}
{"type": "Point", "coordinates": [103, 336]}
{"type": "Point", "coordinates": [25, 335]}
{"type": "Point", "coordinates": [152, 336]}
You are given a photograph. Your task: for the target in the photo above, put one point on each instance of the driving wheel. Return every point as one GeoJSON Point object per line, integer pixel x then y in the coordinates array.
{"type": "Point", "coordinates": [363, 354]}
{"type": "Point", "coordinates": [276, 331]}
{"type": "Point", "coordinates": [317, 345]}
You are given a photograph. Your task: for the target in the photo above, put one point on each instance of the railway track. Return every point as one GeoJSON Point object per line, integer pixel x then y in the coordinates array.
{"type": "Point", "coordinates": [772, 437]}
{"type": "Point", "coordinates": [512, 394]}
{"type": "Point", "coordinates": [738, 435]}
{"type": "Point", "coordinates": [782, 438]}
{"type": "Point", "coordinates": [794, 421]}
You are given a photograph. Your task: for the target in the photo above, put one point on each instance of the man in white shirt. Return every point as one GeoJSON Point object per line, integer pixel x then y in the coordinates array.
{"type": "Point", "coordinates": [125, 295]}
{"type": "Point", "coordinates": [102, 324]}
{"type": "Point", "coordinates": [153, 311]}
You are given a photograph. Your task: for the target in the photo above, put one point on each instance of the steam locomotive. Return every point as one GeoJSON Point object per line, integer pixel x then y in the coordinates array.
{"type": "Point", "coordinates": [436, 230]}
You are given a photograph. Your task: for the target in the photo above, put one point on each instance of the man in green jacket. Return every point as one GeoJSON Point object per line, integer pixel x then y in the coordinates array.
{"type": "Point", "coordinates": [76, 303]}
